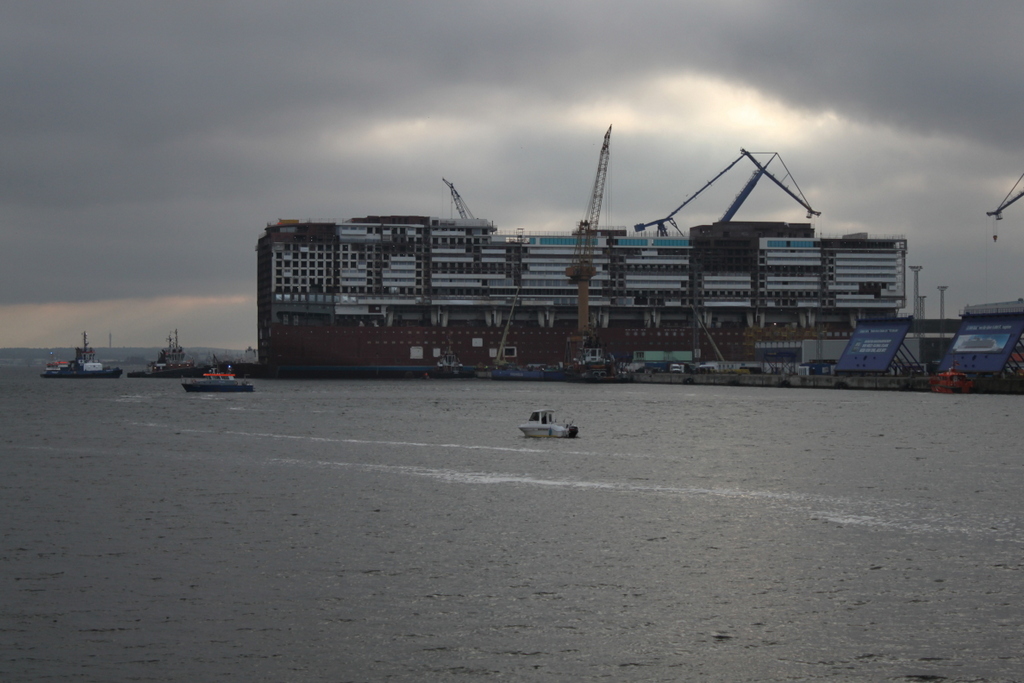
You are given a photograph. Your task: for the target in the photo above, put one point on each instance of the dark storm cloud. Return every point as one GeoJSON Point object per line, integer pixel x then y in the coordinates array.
{"type": "Point", "coordinates": [143, 75]}
{"type": "Point", "coordinates": [131, 132]}
{"type": "Point", "coordinates": [923, 66]}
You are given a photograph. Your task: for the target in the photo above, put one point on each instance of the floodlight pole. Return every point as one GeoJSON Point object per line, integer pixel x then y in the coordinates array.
{"type": "Point", "coordinates": [917, 299]}
{"type": "Point", "coordinates": [942, 310]}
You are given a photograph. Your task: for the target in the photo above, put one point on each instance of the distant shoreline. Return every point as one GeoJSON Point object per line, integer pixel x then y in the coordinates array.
{"type": "Point", "coordinates": [125, 355]}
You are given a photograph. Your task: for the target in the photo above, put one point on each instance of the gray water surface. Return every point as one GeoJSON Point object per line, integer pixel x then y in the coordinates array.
{"type": "Point", "coordinates": [406, 531]}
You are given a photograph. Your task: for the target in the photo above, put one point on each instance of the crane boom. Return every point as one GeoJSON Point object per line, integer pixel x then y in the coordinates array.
{"type": "Point", "coordinates": [640, 227]}
{"type": "Point", "coordinates": [582, 268]}
{"type": "Point", "coordinates": [801, 200]}
{"type": "Point", "coordinates": [742, 196]}
{"type": "Point", "coordinates": [998, 213]}
{"type": "Point", "coordinates": [714, 347]}
{"type": "Point", "coordinates": [761, 170]}
{"type": "Point", "coordinates": [501, 361]}
{"type": "Point", "coordinates": [460, 203]}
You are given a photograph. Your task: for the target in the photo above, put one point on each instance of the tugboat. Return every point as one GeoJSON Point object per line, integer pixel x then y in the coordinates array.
{"type": "Point", "coordinates": [951, 381]}
{"type": "Point", "coordinates": [83, 366]}
{"type": "Point", "coordinates": [172, 362]}
{"type": "Point", "coordinates": [587, 361]}
{"type": "Point", "coordinates": [221, 382]}
{"type": "Point", "coordinates": [449, 366]}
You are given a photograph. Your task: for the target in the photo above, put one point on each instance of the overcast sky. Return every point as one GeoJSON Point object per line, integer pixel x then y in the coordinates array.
{"type": "Point", "coordinates": [145, 145]}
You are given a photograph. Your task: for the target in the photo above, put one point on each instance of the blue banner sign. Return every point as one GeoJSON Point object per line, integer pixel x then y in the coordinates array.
{"type": "Point", "coordinates": [984, 343]}
{"type": "Point", "coordinates": [873, 345]}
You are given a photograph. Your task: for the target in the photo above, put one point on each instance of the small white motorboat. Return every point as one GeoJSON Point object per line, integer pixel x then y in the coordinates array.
{"type": "Point", "coordinates": [542, 423]}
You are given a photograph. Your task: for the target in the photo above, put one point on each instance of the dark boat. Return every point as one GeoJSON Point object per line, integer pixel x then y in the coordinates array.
{"type": "Point", "coordinates": [589, 362]}
{"type": "Point", "coordinates": [84, 366]}
{"type": "Point", "coordinates": [450, 367]}
{"type": "Point", "coordinates": [221, 382]}
{"type": "Point", "coordinates": [171, 363]}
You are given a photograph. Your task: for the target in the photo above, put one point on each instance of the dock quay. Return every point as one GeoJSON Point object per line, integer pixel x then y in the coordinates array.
{"type": "Point", "coordinates": [869, 382]}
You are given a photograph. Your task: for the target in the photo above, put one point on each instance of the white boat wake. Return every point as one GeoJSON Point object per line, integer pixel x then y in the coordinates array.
{"type": "Point", "coordinates": [838, 511]}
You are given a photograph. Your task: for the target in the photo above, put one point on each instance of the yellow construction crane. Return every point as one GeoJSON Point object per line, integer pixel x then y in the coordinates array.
{"type": "Point", "coordinates": [582, 269]}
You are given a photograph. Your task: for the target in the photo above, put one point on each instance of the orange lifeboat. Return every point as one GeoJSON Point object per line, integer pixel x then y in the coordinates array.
{"type": "Point", "coordinates": [951, 381]}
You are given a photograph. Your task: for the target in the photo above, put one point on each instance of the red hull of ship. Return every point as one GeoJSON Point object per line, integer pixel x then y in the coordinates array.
{"type": "Point", "coordinates": [382, 351]}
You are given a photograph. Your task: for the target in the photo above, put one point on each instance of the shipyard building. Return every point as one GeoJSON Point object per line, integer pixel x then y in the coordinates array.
{"type": "Point", "coordinates": [393, 292]}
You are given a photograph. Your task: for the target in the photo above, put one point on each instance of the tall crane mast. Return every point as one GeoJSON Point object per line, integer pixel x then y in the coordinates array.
{"type": "Point", "coordinates": [998, 213]}
{"type": "Point", "coordinates": [460, 203]}
{"type": "Point", "coordinates": [582, 269]}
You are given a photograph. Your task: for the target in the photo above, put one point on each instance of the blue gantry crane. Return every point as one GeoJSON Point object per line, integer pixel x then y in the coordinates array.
{"type": "Point", "coordinates": [759, 171]}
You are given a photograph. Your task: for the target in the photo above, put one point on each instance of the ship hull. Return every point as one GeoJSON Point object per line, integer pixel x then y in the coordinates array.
{"type": "Point", "coordinates": [461, 373]}
{"type": "Point", "coordinates": [412, 351]}
{"type": "Point", "coordinates": [337, 371]}
{"type": "Point", "coordinates": [386, 295]}
{"type": "Point", "coordinates": [91, 374]}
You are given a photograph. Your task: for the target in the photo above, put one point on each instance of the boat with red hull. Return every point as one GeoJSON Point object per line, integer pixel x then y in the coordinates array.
{"type": "Point", "coordinates": [951, 381]}
{"type": "Point", "coordinates": [172, 362]}
{"type": "Point", "coordinates": [409, 351]}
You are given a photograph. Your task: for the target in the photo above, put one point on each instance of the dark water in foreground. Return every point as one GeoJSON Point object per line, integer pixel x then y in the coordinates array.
{"type": "Point", "coordinates": [404, 531]}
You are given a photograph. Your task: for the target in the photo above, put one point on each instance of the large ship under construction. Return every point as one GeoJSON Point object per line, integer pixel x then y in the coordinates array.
{"type": "Point", "coordinates": [386, 296]}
